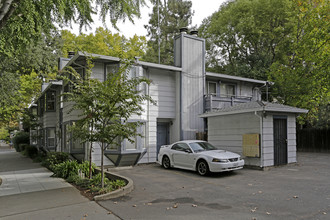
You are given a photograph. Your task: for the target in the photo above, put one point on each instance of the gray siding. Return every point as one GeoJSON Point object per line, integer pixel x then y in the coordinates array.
{"type": "Point", "coordinates": [69, 115]}
{"type": "Point", "coordinates": [267, 141]}
{"type": "Point", "coordinates": [225, 132]}
{"type": "Point", "coordinates": [292, 149]}
{"type": "Point", "coordinates": [49, 119]}
{"type": "Point", "coordinates": [162, 90]}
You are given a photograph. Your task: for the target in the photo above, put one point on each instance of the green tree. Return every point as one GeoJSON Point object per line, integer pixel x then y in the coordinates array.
{"type": "Point", "coordinates": [4, 134]}
{"type": "Point", "coordinates": [302, 79]}
{"type": "Point", "coordinates": [21, 21]}
{"type": "Point", "coordinates": [105, 43]}
{"type": "Point", "coordinates": [107, 106]}
{"type": "Point", "coordinates": [21, 76]}
{"type": "Point", "coordinates": [173, 14]}
{"type": "Point", "coordinates": [283, 41]}
{"type": "Point", "coordinates": [244, 37]}
{"type": "Point", "coordinates": [29, 30]}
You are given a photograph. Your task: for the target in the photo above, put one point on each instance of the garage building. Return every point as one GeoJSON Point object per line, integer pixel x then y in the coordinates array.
{"type": "Point", "coordinates": [264, 133]}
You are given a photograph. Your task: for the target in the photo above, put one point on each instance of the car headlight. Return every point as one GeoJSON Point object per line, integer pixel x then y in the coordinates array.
{"type": "Point", "coordinates": [220, 160]}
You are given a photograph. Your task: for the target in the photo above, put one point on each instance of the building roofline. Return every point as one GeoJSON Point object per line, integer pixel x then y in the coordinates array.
{"type": "Point", "coordinates": [116, 59]}
{"type": "Point", "coordinates": [159, 66]}
{"type": "Point", "coordinates": [50, 84]}
{"type": "Point", "coordinates": [224, 76]}
{"type": "Point", "coordinates": [262, 108]}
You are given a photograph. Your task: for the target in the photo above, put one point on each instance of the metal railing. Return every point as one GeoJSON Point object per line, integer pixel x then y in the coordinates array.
{"type": "Point", "coordinates": [213, 102]}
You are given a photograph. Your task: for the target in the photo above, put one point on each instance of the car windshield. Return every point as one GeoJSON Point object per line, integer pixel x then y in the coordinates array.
{"type": "Point", "coordinates": [201, 146]}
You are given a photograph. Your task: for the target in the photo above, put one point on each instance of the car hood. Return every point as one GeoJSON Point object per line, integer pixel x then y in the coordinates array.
{"type": "Point", "coordinates": [221, 154]}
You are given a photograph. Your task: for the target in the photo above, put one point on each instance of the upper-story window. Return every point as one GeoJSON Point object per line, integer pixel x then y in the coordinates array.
{"type": "Point", "coordinates": [50, 100]}
{"type": "Point", "coordinates": [41, 105]}
{"type": "Point", "coordinates": [227, 90]}
{"type": "Point", "coordinates": [212, 88]}
{"type": "Point", "coordinates": [112, 68]}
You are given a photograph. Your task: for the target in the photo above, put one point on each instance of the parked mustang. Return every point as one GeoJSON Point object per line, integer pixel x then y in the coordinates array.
{"type": "Point", "coordinates": [200, 156]}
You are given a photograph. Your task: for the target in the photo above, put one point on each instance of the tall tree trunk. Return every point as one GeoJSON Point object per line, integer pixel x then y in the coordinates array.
{"type": "Point", "coordinates": [102, 167]}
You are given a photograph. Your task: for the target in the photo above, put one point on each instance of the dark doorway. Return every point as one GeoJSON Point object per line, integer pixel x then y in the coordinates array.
{"type": "Point", "coordinates": [163, 134]}
{"type": "Point", "coordinates": [280, 141]}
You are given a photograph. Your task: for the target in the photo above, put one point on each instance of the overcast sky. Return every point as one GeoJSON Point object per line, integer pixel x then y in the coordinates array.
{"type": "Point", "coordinates": [202, 9]}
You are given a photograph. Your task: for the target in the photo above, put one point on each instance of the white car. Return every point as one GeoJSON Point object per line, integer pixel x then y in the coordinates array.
{"type": "Point", "coordinates": [198, 156]}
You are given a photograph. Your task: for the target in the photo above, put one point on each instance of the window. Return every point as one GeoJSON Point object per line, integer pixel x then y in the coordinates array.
{"type": "Point", "coordinates": [50, 100]}
{"type": "Point", "coordinates": [51, 137]}
{"type": "Point", "coordinates": [139, 141]}
{"type": "Point", "coordinates": [112, 68]}
{"type": "Point", "coordinates": [227, 90]}
{"type": "Point", "coordinates": [34, 137]}
{"type": "Point", "coordinates": [66, 138]}
{"type": "Point", "coordinates": [40, 138]}
{"type": "Point", "coordinates": [115, 146]}
{"type": "Point", "coordinates": [132, 73]}
{"type": "Point", "coordinates": [131, 146]}
{"type": "Point", "coordinates": [180, 147]}
{"type": "Point", "coordinates": [34, 111]}
{"type": "Point", "coordinates": [77, 145]}
{"type": "Point", "coordinates": [41, 106]}
{"type": "Point", "coordinates": [212, 88]}
{"type": "Point", "coordinates": [143, 133]}
{"type": "Point", "coordinates": [76, 142]}
{"type": "Point", "coordinates": [97, 71]}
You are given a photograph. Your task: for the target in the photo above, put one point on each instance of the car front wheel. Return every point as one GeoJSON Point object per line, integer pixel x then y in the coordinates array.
{"type": "Point", "coordinates": [202, 168]}
{"type": "Point", "coordinates": [166, 162]}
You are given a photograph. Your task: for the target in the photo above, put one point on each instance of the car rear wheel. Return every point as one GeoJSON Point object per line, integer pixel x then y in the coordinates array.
{"type": "Point", "coordinates": [202, 168]}
{"type": "Point", "coordinates": [166, 162]}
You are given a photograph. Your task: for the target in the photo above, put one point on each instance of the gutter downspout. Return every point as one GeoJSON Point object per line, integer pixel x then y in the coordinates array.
{"type": "Point", "coordinates": [261, 137]}
{"type": "Point", "coordinates": [148, 118]}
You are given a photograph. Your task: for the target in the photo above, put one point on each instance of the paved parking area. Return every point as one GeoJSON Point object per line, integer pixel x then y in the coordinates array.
{"type": "Point", "coordinates": [299, 191]}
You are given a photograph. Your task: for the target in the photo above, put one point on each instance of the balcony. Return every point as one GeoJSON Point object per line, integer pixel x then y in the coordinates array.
{"type": "Point", "coordinates": [214, 102]}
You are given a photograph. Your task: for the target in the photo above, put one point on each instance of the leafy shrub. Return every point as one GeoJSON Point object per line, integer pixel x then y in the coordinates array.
{"type": "Point", "coordinates": [117, 184]}
{"type": "Point", "coordinates": [73, 179]}
{"type": "Point", "coordinates": [21, 138]}
{"type": "Point", "coordinates": [71, 168]}
{"type": "Point", "coordinates": [84, 167]}
{"type": "Point", "coordinates": [31, 151]}
{"type": "Point", "coordinates": [96, 180]}
{"type": "Point", "coordinates": [66, 169]}
{"type": "Point", "coordinates": [22, 147]}
{"type": "Point", "coordinates": [83, 182]}
{"type": "Point", "coordinates": [53, 158]}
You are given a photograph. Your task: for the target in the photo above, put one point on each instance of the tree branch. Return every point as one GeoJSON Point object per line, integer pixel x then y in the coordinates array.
{"type": "Point", "coordinates": [6, 10]}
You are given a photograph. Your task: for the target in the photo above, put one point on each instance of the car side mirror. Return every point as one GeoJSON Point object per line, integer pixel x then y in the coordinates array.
{"type": "Point", "coordinates": [187, 150]}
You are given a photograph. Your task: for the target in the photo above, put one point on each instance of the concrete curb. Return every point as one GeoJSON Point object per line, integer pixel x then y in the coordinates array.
{"type": "Point", "coordinates": [119, 192]}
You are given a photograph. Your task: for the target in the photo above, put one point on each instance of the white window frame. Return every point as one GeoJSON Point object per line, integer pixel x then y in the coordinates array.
{"type": "Point", "coordinates": [48, 138]}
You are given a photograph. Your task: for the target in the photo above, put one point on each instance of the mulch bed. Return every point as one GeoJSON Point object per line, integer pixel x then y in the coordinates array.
{"type": "Point", "coordinates": [86, 192]}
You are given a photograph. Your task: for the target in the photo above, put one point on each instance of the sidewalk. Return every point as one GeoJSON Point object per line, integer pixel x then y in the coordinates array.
{"type": "Point", "coordinates": [28, 192]}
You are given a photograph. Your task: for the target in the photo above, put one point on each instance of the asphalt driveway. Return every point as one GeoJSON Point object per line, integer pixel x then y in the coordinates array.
{"type": "Point", "coordinates": [299, 191]}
